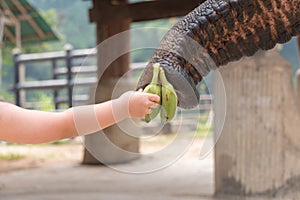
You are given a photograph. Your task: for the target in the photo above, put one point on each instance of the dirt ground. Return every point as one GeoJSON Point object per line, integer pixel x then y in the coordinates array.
{"type": "Point", "coordinates": [35, 156]}
{"type": "Point", "coordinates": [71, 152]}
{"type": "Point", "coordinates": [54, 172]}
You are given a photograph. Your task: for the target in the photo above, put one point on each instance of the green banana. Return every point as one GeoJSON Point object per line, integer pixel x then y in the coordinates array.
{"type": "Point", "coordinates": [169, 99]}
{"type": "Point", "coordinates": [153, 88]}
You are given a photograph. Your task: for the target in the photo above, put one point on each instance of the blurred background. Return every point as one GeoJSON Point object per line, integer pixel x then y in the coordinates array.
{"type": "Point", "coordinates": [190, 178]}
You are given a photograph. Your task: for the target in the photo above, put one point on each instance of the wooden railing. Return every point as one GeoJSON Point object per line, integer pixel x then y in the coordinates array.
{"type": "Point", "coordinates": [62, 77]}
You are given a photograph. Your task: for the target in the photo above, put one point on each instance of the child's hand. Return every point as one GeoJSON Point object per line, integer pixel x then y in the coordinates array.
{"type": "Point", "coordinates": [138, 103]}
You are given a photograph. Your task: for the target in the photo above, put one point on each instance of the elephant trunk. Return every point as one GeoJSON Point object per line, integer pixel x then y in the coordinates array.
{"type": "Point", "coordinates": [224, 31]}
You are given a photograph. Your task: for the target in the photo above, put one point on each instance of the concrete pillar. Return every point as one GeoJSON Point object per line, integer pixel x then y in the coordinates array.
{"type": "Point", "coordinates": [298, 88]}
{"type": "Point", "coordinates": [259, 149]}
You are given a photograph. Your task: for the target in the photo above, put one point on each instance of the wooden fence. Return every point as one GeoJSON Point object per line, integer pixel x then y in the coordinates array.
{"type": "Point", "coordinates": [62, 77]}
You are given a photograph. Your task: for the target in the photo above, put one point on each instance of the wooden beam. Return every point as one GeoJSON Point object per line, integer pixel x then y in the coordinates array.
{"type": "Point", "coordinates": [106, 12]}
{"type": "Point", "coordinates": [161, 9]}
{"type": "Point", "coordinates": [32, 37]}
{"type": "Point", "coordinates": [9, 22]}
{"type": "Point", "coordinates": [30, 20]}
{"type": "Point", "coordinates": [9, 35]}
{"type": "Point", "coordinates": [24, 17]}
{"type": "Point", "coordinates": [7, 12]}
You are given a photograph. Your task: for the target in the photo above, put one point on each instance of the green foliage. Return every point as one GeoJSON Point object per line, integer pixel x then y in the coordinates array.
{"type": "Point", "coordinates": [145, 37]}
{"type": "Point", "coordinates": [60, 142]}
{"type": "Point", "coordinates": [47, 102]}
{"type": "Point", "coordinates": [7, 58]}
{"type": "Point", "coordinates": [71, 20]}
{"type": "Point", "coordinates": [50, 16]}
{"type": "Point", "coordinates": [6, 95]}
{"type": "Point", "coordinates": [204, 129]}
{"type": "Point", "coordinates": [40, 100]}
{"type": "Point", "coordinates": [11, 156]}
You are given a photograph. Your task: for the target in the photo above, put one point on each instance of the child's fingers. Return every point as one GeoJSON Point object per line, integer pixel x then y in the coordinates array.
{"type": "Point", "coordinates": [154, 98]}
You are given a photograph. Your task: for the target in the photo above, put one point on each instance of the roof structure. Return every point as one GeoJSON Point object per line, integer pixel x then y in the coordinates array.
{"type": "Point", "coordinates": [105, 11]}
{"type": "Point", "coordinates": [23, 23]}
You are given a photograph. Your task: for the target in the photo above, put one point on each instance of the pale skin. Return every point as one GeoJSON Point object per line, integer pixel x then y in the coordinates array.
{"type": "Point", "coordinates": [32, 127]}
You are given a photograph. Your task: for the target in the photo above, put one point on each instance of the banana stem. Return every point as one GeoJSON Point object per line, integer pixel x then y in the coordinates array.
{"type": "Point", "coordinates": [156, 67]}
{"type": "Point", "coordinates": [163, 77]}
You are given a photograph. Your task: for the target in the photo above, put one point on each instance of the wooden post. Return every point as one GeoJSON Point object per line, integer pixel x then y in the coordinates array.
{"type": "Point", "coordinates": [258, 151]}
{"type": "Point", "coordinates": [22, 79]}
{"type": "Point", "coordinates": [16, 78]}
{"type": "Point", "coordinates": [104, 92]}
{"type": "Point", "coordinates": [54, 77]}
{"type": "Point", "coordinates": [19, 76]}
{"type": "Point", "coordinates": [68, 48]}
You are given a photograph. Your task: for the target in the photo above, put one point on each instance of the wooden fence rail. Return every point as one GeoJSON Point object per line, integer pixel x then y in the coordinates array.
{"type": "Point", "coordinates": [56, 83]}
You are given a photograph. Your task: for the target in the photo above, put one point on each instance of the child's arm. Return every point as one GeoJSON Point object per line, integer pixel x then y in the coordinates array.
{"type": "Point", "coordinates": [29, 126]}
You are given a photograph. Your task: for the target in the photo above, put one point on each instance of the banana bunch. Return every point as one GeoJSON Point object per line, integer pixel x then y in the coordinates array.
{"type": "Point", "coordinates": [153, 88]}
{"type": "Point", "coordinates": [168, 98]}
